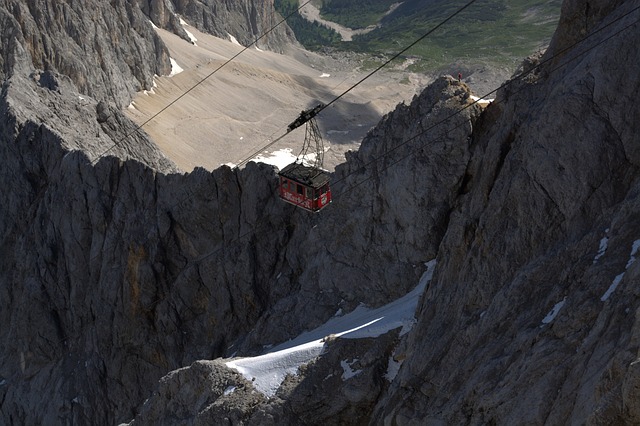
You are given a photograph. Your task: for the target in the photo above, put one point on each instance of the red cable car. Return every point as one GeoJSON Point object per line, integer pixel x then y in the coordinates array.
{"type": "Point", "coordinates": [304, 183]}
{"type": "Point", "coordinates": [305, 186]}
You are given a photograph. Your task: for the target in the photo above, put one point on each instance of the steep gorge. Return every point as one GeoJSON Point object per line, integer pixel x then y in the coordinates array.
{"type": "Point", "coordinates": [119, 270]}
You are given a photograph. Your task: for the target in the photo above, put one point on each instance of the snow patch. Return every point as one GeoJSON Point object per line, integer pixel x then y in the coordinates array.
{"type": "Point", "coordinates": [325, 75]}
{"type": "Point", "coordinates": [191, 37]}
{"type": "Point", "coordinates": [554, 312]}
{"type": "Point", "coordinates": [481, 101]}
{"type": "Point", "coordinates": [131, 106]}
{"type": "Point", "coordinates": [268, 371]}
{"type": "Point", "coordinates": [229, 390]}
{"type": "Point", "coordinates": [632, 256]}
{"type": "Point", "coordinates": [234, 40]}
{"type": "Point", "coordinates": [616, 281]}
{"type": "Point", "coordinates": [189, 34]}
{"type": "Point", "coordinates": [175, 68]}
{"type": "Point", "coordinates": [3, 382]}
{"type": "Point", "coordinates": [602, 249]}
{"type": "Point", "coordinates": [280, 158]}
{"type": "Point", "coordinates": [393, 368]}
{"type": "Point", "coordinates": [153, 25]}
{"type": "Point", "coordinates": [258, 49]}
{"type": "Point", "coordinates": [347, 371]}
{"type": "Point", "coordinates": [612, 287]}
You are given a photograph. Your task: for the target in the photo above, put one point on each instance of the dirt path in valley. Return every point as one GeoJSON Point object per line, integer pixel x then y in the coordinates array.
{"type": "Point", "coordinates": [312, 14]}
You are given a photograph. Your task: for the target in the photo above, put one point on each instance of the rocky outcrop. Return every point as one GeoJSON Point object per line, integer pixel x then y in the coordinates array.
{"type": "Point", "coordinates": [95, 240]}
{"type": "Point", "coordinates": [112, 276]}
{"type": "Point", "coordinates": [245, 20]}
{"type": "Point", "coordinates": [522, 323]}
{"type": "Point", "coordinates": [109, 50]}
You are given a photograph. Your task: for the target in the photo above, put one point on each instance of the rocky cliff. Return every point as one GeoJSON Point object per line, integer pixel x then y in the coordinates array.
{"type": "Point", "coordinates": [117, 270]}
{"type": "Point", "coordinates": [245, 20]}
{"type": "Point", "coordinates": [532, 314]}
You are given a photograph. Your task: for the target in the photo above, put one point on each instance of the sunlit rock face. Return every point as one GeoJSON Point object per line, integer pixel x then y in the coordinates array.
{"type": "Point", "coordinates": [247, 21]}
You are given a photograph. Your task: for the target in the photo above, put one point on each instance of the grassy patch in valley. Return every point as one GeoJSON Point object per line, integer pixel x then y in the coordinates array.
{"type": "Point", "coordinates": [355, 14]}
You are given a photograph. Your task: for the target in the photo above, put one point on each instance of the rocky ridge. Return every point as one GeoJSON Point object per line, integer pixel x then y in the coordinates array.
{"type": "Point", "coordinates": [245, 20]}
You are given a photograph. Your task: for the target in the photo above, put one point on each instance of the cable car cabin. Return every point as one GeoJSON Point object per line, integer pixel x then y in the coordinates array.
{"type": "Point", "coordinates": [304, 186]}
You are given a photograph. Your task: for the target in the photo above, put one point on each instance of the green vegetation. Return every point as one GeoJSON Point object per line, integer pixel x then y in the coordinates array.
{"type": "Point", "coordinates": [493, 32]}
{"type": "Point", "coordinates": [497, 32]}
{"type": "Point", "coordinates": [312, 36]}
{"type": "Point", "coordinates": [355, 13]}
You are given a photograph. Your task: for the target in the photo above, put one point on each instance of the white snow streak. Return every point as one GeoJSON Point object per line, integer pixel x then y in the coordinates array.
{"type": "Point", "coordinates": [191, 36]}
{"type": "Point", "coordinates": [234, 40]}
{"type": "Point", "coordinates": [229, 390]}
{"type": "Point", "coordinates": [616, 281]}
{"type": "Point", "coordinates": [481, 101]}
{"type": "Point", "coordinates": [392, 369]}
{"type": "Point", "coordinates": [268, 371]}
{"type": "Point", "coordinates": [347, 371]}
{"type": "Point", "coordinates": [175, 68]}
{"type": "Point", "coordinates": [612, 287]}
{"type": "Point", "coordinates": [280, 158]}
{"type": "Point", "coordinates": [632, 256]}
{"type": "Point", "coordinates": [604, 243]}
{"type": "Point", "coordinates": [554, 312]}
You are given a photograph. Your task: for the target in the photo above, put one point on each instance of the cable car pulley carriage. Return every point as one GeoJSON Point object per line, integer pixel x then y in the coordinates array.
{"type": "Point", "coordinates": [304, 183]}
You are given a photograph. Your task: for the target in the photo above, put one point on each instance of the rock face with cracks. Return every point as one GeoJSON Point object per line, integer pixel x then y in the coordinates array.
{"type": "Point", "coordinates": [532, 314]}
{"type": "Point", "coordinates": [248, 21]}
{"type": "Point", "coordinates": [118, 272]}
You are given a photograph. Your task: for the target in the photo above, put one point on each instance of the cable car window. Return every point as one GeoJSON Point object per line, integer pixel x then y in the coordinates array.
{"type": "Point", "coordinates": [300, 189]}
{"type": "Point", "coordinates": [309, 193]}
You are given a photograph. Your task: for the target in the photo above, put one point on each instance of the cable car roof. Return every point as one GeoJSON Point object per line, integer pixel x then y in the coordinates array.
{"type": "Point", "coordinates": [308, 176]}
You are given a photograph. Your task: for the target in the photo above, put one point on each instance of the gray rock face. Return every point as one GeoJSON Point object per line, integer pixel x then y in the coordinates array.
{"type": "Point", "coordinates": [553, 177]}
{"type": "Point", "coordinates": [109, 50]}
{"type": "Point", "coordinates": [98, 234]}
{"type": "Point", "coordinates": [371, 244]}
{"type": "Point", "coordinates": [246, 20]}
